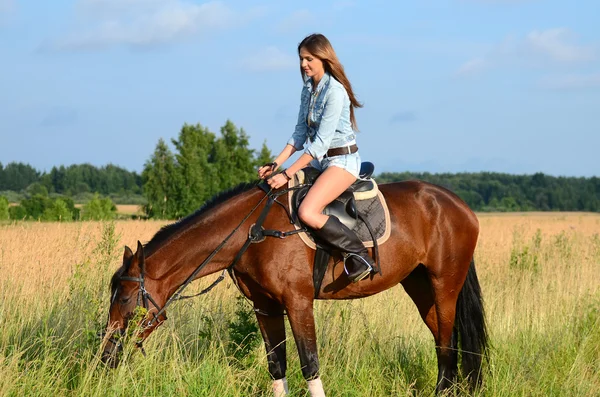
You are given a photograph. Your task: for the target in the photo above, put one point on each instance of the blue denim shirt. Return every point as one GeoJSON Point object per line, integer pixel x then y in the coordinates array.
{"type": "Point", "coordinates": [324, 118]}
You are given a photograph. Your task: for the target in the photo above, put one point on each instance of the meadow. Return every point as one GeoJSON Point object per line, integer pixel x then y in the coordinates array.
{"type": "Point", "coordinates": [539, 272]}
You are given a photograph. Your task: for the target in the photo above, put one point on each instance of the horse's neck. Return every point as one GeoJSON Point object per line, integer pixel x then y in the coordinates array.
{"type": "Point", "coordinates": [177, 258]}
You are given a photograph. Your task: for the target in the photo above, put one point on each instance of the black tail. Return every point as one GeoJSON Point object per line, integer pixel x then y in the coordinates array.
{"type": "Point", "coordinates": [470, 321]}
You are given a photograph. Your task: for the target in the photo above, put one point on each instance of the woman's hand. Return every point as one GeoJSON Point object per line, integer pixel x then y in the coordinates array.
{"type": "Point", "coordinates": [278, 180]}
{"type": "Point", "coordinates": [266, 170]}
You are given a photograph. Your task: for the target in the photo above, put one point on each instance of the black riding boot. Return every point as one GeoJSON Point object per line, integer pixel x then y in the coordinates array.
{"type": "Point", "coordinates": [357, 262]}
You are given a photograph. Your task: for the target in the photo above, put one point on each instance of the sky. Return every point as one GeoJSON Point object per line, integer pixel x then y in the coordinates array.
{"type": "Point", "coordinates": [447, 85]}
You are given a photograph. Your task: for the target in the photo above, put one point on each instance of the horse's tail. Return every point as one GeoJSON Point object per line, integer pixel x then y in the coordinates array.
{"type": "Point", "coordinates": [471, 326]}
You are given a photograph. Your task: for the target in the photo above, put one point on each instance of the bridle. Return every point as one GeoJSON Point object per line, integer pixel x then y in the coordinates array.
{"type": "Point", "coordinates": [256, 234]}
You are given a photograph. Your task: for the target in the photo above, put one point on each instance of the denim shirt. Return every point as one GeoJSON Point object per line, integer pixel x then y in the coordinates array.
{"type": "Point", "coordinates": [324, 118]}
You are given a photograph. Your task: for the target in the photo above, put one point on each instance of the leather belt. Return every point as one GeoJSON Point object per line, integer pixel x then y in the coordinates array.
{"type": "Point", "coordinates": [339, 151]}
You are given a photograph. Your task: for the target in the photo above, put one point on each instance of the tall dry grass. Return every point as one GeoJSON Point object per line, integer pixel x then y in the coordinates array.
{"type": "Point", "coordinates": [539, 275]}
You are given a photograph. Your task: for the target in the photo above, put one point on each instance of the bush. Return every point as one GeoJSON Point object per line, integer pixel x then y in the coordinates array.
{"type": "Point", "coordinates": [243, 330]}
{"type": "Point", "coordinates": [17, 213]}
{"type": "Point", "coordinates": [99, 209]}
{"type": "Point", "coordinates": [35, 206]}
{"type": "Point", "coordinates": [57, 211]}
{"type": "Point", "coordinates": [4, 215]}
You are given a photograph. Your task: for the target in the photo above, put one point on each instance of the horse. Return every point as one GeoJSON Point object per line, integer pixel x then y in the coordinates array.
{"type": "Point", "coordinates": [429, 252]}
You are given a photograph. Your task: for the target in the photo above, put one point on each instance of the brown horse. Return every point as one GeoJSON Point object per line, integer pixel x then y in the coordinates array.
{"type": "Point", "coordinates": [429, 252]}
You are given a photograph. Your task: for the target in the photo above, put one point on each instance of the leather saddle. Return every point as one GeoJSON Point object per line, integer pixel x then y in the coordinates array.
{"type": "Point", "coordinates": [344, 206]}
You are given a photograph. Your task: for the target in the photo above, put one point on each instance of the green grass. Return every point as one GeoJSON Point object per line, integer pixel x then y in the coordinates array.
{"type": "Point", "coordinates": [544, 323]}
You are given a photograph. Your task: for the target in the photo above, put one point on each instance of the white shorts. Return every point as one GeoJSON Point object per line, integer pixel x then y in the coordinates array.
{"type": "Point", "coordinates": [348, 162]}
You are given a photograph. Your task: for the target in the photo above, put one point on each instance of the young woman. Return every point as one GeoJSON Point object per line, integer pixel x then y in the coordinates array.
{"type": "Point", "coordinates": [326, 124]}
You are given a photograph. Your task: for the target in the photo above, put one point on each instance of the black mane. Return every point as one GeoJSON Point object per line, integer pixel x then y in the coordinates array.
{"type": "Point", "coordinates": [168, 231]}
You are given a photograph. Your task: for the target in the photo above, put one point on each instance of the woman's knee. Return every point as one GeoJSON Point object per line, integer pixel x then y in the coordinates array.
{"type": "Point", "coordinates": [307, 216]}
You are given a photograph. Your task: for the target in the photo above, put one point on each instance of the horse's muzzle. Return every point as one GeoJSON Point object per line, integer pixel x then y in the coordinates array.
{"type": "Point", "coordinates": [112, 350]}
{"type": "Point", "coordinates": [111, 358]}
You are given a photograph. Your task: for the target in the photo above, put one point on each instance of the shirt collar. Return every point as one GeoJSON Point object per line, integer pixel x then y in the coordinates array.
{"type": "Point", "coordinates": [324, 80]}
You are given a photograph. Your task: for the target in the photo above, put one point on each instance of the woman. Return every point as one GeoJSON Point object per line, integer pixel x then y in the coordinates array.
{"type": "Point", "coordinates": [326, 124]}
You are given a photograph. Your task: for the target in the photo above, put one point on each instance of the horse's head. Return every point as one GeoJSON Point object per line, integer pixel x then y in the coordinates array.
{"type": "Point", "coordinates": [134, 297]}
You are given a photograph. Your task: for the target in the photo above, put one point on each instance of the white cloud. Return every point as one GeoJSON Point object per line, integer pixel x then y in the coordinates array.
{"type": "Point", "coordinates": [557, 44]}
{"type": "Point", "coordinates": [572, 81]}
{"type": "Point", "coordinates": [473, 66]}
{"type": "Point", "coordinates": [269, 59]}
{"type": "Point", "coordinates": [538, 48]}
{"type": "Point", "coordinates": [147, 22]}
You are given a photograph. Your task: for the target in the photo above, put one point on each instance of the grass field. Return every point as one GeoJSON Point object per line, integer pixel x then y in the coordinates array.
{"type": "Point", "coordinates": [124, 209]}
{"type": "Point", "coordinates": [129, 209]}
{"type": "Point", "coordinates": [540, 276]}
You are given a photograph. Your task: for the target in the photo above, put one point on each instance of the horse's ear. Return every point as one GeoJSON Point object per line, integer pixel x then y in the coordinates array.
{"type": "Point", "coordinates": [127, 255]}
{"type": "Point", "coordinates": [140, 256]}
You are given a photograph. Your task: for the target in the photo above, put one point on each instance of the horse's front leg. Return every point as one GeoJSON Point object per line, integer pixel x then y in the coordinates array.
{"type": "Point", "coordinates": [302, 321]}
{"type": "Point", "coordinates": [272, 326]}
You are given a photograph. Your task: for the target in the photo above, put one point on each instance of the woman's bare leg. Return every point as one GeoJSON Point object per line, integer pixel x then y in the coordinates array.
{"type": "Point", "coordinates": [328, 186]}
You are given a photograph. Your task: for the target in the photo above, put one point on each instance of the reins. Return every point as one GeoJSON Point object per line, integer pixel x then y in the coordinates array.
{"type": "Point", "coordinates": [256, 234]}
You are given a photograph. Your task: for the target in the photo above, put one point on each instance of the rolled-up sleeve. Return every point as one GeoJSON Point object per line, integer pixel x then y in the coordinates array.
{"type": "Point", "coordinates": [301, 131]}
{"type": "Point", "coordinates": [329, 123]}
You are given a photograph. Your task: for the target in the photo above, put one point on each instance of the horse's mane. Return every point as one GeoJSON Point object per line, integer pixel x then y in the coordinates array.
{"type": "Point", "coordinates": [173, 229]}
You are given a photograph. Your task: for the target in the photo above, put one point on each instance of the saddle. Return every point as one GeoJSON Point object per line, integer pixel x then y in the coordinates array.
{"type": "Point", "coordinates": [356, 208]}
{"type": "Point", "coordinates": [344, 206]}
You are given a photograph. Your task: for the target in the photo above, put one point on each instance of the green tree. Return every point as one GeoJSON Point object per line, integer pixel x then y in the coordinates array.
{"type": "Point", "coordinates": [4, 214]}
{"type": "Point", "coordinates": [160, 183]}
{"type": "Point", "coordinates": [232, 157]}
{"type": "Point", "coordinates": [197, 180]}
{"type": "Point", "coordinates": [99, 209]}
{"type": "Point", "coordinates": [17, 176]}
{"type": "Point", "coordinates": [37, 188]}
{"type": "Point", "coordinates": [46, 181]}
{"type": "Point", "coordinates": [35, 206]}
{"type": "Point", "coordinates": [264, 156]}
{"type": "Point", "coordinates": [58, 210]}
{"type": "Point", "coordinates": [17, 212]}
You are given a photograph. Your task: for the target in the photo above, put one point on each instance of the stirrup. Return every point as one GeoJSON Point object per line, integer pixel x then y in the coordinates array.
{"type": "Point", "coordinates": [362, 275]}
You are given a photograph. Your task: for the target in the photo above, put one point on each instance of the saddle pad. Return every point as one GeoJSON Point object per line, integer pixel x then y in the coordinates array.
{"type": "Point", "coordinates": [371, 205]}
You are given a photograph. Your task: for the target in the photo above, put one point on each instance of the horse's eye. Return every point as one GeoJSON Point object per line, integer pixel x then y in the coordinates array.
{"type": "Point", "coordinates": [125, 300]}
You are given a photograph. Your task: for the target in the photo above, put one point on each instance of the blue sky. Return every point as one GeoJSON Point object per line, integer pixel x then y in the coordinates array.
{"type": "Point", "coordinates": [447, 85]}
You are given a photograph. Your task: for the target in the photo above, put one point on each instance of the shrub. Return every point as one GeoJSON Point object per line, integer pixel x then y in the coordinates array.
{"type": "Point", "coordinates": [57, 211]}
{"type": "Point", "coordinates": [243, 330]}
{"type": "Point", "coordinates": [17, 212]}
{"type": "Point", "coordinates": [526, 256]}
{"type": "Point", "coordinates": [4, 215]}
{"type": "Point", "coordinates": [99, 209]}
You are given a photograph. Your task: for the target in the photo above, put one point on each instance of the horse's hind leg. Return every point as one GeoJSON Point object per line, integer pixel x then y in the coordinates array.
{"type": "Point", "coordinates": [438, 315]}
{"type": "Point", "coordinates": [272, 326]}
{"type": "Point", "coordinates": [445, 290]}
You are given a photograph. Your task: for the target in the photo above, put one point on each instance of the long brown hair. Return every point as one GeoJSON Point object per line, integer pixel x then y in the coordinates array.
{"type": "Point", "coordinates": [320, 47]}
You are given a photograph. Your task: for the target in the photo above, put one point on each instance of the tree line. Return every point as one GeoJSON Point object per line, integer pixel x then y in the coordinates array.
{"type": "Point", "coordinates": [173, 183]}
{"type": "Point", "coordinates": [74, 180]}
{"type": "Point", "coordinates": [179, 177]}
{"type": "Point", "coordinates": [489, 191]}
